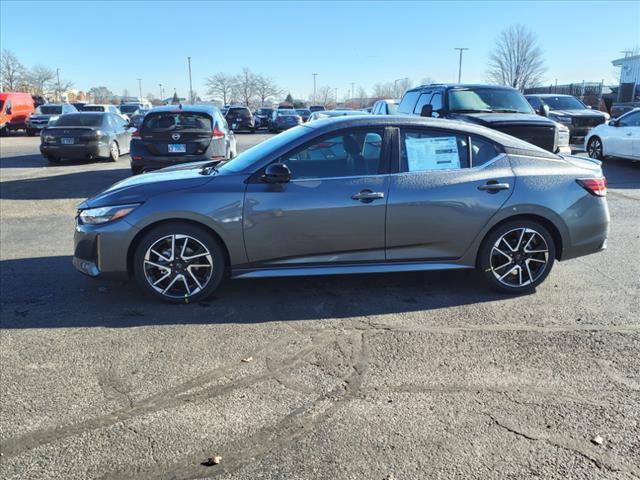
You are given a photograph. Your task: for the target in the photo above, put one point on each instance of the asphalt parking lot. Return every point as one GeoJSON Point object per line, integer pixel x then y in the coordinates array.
{"type": "Point", "coordinates": [403, 376]}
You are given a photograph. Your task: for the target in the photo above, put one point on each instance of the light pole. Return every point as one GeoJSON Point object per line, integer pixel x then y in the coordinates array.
{"type": "Point", "coordinates": [352, 85]}
{"type": "Point", "coordinates": [161, 96]}
{"type": "Point", "coordinates": [395, 86]}
{"type": "Point", "coordinates": [462, 49]}
{"type": "Point", "coordinates": [190, 84]}
{"type": "Point", "coordinates": [58, 89]}
{"type": "Point", "coordinates": [140, 88]}
{"type": "Point", "coordinates": [336, 97]}
{"type": "Point", "coordinates": [314, 86]}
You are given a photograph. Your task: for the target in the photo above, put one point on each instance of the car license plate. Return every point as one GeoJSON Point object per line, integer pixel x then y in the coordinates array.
{"type": "Point", "coordinates": [67, 141]}
{"type": "Point", "coordinates": [234, 125]}
{"type": "Point", "coordinates": [177, 148]}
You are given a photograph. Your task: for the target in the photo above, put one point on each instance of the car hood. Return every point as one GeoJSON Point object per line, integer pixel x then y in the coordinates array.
{"type": "Point", "coordinates": [139, 188]}
{"type": "Point", "coordinates": [495, 119]}
{"type": "Point", "coordinates": [44, 117]}
{"type": "Point", "coordinates": [578, 113]}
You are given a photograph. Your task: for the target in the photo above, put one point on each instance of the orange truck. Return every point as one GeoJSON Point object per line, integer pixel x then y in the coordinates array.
{"type": "Point", "coordinates": [15, 108]}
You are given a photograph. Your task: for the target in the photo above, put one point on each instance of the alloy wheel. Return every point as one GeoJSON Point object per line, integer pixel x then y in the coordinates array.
{"type": "Point", "coordinates": [519, 257]}
{"type": "Point", "coordinates": [178, 266]}
{"type": "Point", "coordinates": [594, 149]}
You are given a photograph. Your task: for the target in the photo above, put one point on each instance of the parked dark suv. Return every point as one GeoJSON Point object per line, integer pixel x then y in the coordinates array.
{"type": "Point", "coordinates": [569, 111]}
{"type": "Point", "coordinates": [240, 118]}
{"type": "Point", "coordinates": [497, 107]}
{"type": "Point", "coordinates": [171, 135]}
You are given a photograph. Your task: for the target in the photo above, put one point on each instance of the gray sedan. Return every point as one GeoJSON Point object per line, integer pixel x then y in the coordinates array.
{"type": "Point", "coordinates": [349, 195]}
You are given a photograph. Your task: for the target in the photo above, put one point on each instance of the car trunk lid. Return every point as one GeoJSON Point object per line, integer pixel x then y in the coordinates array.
{"type": "Point", "coordinates": [177, 133]}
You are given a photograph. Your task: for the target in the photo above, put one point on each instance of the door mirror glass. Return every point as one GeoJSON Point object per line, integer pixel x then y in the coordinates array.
{"type": "Point", "coordinates": [277, 173]}
{"type": "Point", "coordinates": [427, 110]}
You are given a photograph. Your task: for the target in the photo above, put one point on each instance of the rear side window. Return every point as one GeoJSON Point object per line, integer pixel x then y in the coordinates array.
{"type": "Point", "coordinates": [482, 151]}
{"type": "Point", "coordinates": [169, 121]}
{"type": "Point", "coordinates": [408, 102]}
{"type": "Point", "coordinates": [426, 151]}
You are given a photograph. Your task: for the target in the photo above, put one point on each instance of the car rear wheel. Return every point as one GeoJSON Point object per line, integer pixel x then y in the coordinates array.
{"type": "Point", "coordinates": [31, 132]}
{"type": "Point", "coordinates": [179, 263]}
{"type": "Point", "coordinates": [594, 148]}
{"type": "Point", "coordinates": [114, 152]}
{"type": "Point", "coordinates": [53, 159]}
{"type": "Point", "coordinates": [517, 256]}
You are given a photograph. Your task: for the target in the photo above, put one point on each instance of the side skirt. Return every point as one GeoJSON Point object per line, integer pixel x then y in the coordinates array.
{"type": "Point", "coordinates": [344, 269]}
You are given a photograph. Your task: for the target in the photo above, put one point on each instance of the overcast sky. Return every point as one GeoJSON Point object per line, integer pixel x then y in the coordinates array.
{"type": "Point", "coordinates": [114, 43]}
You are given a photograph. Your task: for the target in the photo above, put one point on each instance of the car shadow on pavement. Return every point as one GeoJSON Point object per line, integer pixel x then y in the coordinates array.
{"type": "Point", "coordinates": [64, 186]}
{"type": "Point", "coordinates": [622, 174]}
{"type": "Point", "coordinates": [47, 292]}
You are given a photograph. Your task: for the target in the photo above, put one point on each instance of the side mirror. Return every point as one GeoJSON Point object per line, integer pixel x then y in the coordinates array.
{"type": "Point", "coordinates": [277, 173]}
{"type": "Point", "coordinates": [543, 110]}
{"type": "Point", "coordinates": [589, 107]}
{"type": "Point", "coordinates": [427, 110]}
{"type": "Point", "coordinates": [613, 123]}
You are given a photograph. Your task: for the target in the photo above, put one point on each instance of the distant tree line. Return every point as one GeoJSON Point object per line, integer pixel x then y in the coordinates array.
{"type": "Point", "coordinates": [37, 80]}
{"type": "Point", "coordinates": [245, 88]}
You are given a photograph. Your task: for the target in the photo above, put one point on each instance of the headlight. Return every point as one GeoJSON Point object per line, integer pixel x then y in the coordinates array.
{"type": "Point", "coordinates": [48, 139]}
{"type": "Point", "coordinates": [565, 120]}
{"type": "Point", "coordinates": [563, 136]}
{"type": "Point", "coordinates": [53, 120]}
{"type": "Point", "coordinates": [94, 216]}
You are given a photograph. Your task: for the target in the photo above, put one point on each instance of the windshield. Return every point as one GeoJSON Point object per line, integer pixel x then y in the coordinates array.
{"type": "Point", "coordinates": [317, 108]}
{"type": "Point", "coordinates": [79, 120]}
{"type": "Point", "coordinates": [563, 103]}
{"type": "Point", "coordinates": [282, 113]}
{"type": "Point", "coordinates": [93, 108]}
{"type": "Point", "coordinates": [265, 111]}
{"type": "Point", "coordinates": [304, 112]}
{"type": "Point", "coordinates": [488, 100]}
{"type": "Point", "coordinates": [49, 110]}
{"type": "Point", "coordinates": [170, 121]}
{"type": "Point", "coordinates": [256, 153]}
{"type": "Point", "coordinates": [128, 108]}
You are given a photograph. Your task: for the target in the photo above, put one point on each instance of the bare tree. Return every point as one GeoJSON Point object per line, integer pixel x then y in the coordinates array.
{"type": "Point", "coordinates": [100, 94]}
{"type": "Point", "coordinates": [220, 85]}
{"type": "Point", "coordinates": [245, 86]}
{"type": "Point", "coordinates": [362, 95]}
{"type": "Point", "coordinates": [516, 59]}
{"type": "Point", "coordinates": [384, 90]}
{"type": "Point", "coordinates": [11, 71]}
{"type": "Point", "coordinates": [40, 78]}
{"type": "Point", "coordinates": [324, 94]}
{"type": "Point", "coordinates": [265, 88]}
{"type": "Point", "coordinates": [400, 86]}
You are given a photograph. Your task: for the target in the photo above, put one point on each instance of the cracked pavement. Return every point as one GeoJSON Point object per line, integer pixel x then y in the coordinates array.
{"type": "Point", "coordinates": [409, 376]}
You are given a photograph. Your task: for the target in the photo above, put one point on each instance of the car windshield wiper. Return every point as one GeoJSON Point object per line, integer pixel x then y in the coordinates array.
{"type": "Point", "coordinates": [506, 110]}
{"type": "Point", "coordinates": [471, 110]}
{"type": "Point", "coordinates": [211, 167]}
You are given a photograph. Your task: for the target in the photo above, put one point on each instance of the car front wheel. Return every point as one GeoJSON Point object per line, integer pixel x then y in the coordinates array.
{"type": "Point", "coordinates": [594, 148]}
{"type": "Point", "coordinates": [179, 263]}
{"type": "Point", "coordinates": [517, 256]}
{"type": "Point", "coordinates": [114, 152]}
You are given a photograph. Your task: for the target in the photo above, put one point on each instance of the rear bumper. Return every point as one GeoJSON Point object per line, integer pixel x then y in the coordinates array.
{"type": "Point", "coordinates": [146, 164]}
{"type": "Point", "coordinates": [588, 224]}
{"type": "Point", "coordinates": [242, 124]}
{"type": "Point", "coordinates": [81, 151]}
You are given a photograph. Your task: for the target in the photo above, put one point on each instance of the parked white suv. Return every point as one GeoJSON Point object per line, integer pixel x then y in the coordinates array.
{"type": "Point", "coordinates": [619, 137]}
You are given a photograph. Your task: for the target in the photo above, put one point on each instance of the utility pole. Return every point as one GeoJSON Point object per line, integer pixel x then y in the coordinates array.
{"type": "Point", "coordinates": [462, 49]}
{"type": "Point", "coordinates": [314, 86]}
{"type": "Point", "coordinates": [140, 88]}
{"type": "Point", "coordinates": [161, 96]}
{"type": "Point", "coordinates": [352, 85]}
{"type": "Point", "coordinates": [336, 97]}
{"type": "Point", "coordinates": [395, 86]}
{"type": "Point", "coordinates": [58, 89]}
{"type": "Point", "coordinates": [190, 84]}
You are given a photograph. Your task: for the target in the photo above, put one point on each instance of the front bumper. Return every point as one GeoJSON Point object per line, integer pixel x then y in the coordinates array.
{"type": "Point", "coordinates": [101, 250]}
{"type": "Point", "coordinates": [79, 151]}
{"type": "Point", "coordinates": [37, 126]}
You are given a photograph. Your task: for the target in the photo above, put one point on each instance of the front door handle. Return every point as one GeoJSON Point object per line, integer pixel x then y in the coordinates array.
{"type": "Point", "coordinates": [367, 196]}
{"type": "Point", "coordinates": [492, 186]}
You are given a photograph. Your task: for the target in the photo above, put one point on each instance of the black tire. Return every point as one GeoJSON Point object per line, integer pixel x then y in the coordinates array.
{"type": "Point", "coordinates": [136, 170]}
{"type": "Point", "coordinates": [253, 130]}
{"type": "Point", "coordinates": [521, 270]}
{"type": "Point", "coordinates": [209, 280]}
{"type": "Point", "coordinates": [53, 159]}
{"type": "Point", "coordinates": [594, 148]}
{"type": "Point", "coordinates": [4, 131]}
{"type": "Point", "coordinates": [31, 132]}
{"type": "Point", "coordinates": [114, 152]}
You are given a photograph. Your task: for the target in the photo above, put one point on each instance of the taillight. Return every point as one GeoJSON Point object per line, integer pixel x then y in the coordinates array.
{"type": "Point", "coordinates": [136, 134]}
{"type": "Point", "coordinates": [595, 186]}
{"type": "Point", "coordinates": [217, 133]}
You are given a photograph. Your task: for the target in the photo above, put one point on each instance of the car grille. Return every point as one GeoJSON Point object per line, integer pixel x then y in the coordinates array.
{"type": "Point", "coordinates": [587, 121]}
{"type": "Point", "coordinates": [542, 136]}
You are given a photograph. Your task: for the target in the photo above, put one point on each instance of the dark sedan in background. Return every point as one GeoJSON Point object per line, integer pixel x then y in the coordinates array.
{"type": "Point", "coordinates": [304, 113]}
{"type": "Point", "coordinates": [172, 135]}
{"type": "Point", "coordinates": [262, 116]}
{"type": "Point", "coordinates": [240, 118]}
{"type": "Point", "coordinates": [86, 135]}
{"type": "Point", "coordinates": [282, 119]}
{"type": "Point", "coordinates": [570, 112]}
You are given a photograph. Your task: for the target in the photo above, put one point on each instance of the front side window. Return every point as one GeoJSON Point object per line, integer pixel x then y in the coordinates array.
{"type": "Point", "coordinates": [422, 101]}
{"type": "Point", "coordinates": [349, 154]}
{"type": "Point", "coordinates": [436, 102]}
{"type": "Point", "coordinates": [426, 151]}
{"type": "Point", "coordinates": [630, 120]}
{"type": "Point", "coordinates": [408, 102]}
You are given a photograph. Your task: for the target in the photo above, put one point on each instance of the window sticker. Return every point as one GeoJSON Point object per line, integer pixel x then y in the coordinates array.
{"type": "Point", "coordinates": [432, 153]}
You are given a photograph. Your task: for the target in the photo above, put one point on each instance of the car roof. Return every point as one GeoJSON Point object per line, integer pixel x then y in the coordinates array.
{"type": "Point", "coordinates": [549, 95]}
{"type": "Point", "coordinates": [461, 86]}
{"type": "Point", "coordinates": [367, 120]}
{"type": "Point", "coordinates": [210, 109]}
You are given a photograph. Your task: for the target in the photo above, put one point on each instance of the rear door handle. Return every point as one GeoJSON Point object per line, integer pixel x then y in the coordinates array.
{"type": "Point", "coordinates": [367, 196]}
{"type": "Point", "coordinates": [493, 186]}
